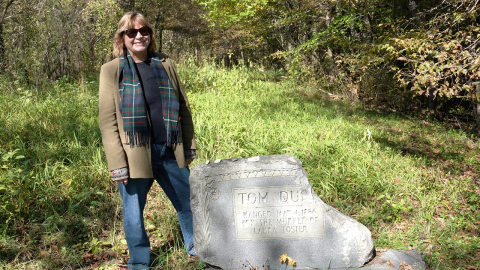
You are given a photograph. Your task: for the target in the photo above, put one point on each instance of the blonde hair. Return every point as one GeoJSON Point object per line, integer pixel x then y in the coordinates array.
{"type": "Point", "coordinates": [128, 21]}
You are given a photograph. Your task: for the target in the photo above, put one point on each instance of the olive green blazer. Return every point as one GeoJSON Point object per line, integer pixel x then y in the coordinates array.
{"type": "Point", "coordinates": [118, 153]}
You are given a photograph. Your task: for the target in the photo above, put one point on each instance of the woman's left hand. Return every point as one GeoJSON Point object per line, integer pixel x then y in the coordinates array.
{"type": "Point", "coordinates": [188, 161]}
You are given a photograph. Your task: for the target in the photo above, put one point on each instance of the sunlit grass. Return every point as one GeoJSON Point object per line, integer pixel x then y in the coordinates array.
{"type": "Point", "coordinates": [413, 183]}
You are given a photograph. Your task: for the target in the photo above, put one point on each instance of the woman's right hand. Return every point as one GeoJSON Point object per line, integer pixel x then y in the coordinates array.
{"type": "Point", "coordinates": [124, 181]}
{"type": "Point", "coordinates": [120, 175]}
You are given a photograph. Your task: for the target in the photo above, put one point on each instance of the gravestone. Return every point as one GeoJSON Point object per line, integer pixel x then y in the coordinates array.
{"type": "Point", "coordinates": [248, 212]}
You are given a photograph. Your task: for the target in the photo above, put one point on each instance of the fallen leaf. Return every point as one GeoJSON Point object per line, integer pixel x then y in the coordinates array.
{"type": "Point", "coordinates": [87, 255]}
{"type": "Point", "coordinates": [405, 266]}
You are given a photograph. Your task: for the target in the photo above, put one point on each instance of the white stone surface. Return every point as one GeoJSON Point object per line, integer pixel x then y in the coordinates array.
{"type": "Point", "coordinates": [248, 212]}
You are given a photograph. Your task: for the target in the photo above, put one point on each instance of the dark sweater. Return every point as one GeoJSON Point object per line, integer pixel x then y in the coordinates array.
{"type": "Point", "coordinates": [154, 101]}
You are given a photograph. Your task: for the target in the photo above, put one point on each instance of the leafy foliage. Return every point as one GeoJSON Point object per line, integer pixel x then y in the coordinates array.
{"type": "Point", "coordinates": [442, 54]}
{"type": "Point", "coordinates": [374, 50]}
{"type": "Point", "coordinates": [51, 39]}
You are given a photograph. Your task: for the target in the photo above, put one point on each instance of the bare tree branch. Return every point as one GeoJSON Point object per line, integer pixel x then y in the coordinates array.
{"type": "Point", "coordinates": [5, 10]}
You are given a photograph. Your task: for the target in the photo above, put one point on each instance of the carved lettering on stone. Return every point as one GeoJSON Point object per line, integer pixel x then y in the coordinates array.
{"type": "Point", "coordinates": [275, 212]}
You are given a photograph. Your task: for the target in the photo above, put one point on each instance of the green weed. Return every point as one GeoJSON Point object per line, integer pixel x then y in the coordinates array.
{"type": "Point", "coordinates": [413, 183]}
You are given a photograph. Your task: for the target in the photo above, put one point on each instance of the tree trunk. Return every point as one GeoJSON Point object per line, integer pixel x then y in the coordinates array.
{"type": "Point", "coordinates": [2, 47]}
{"type": "Point", "coordinates": [196, 54]}
{"type": "Point", "coordinates": [476, 106]}
{"type": "Point", "coordinates": [329, 16]}
{"type": "Point", "coordinates": [476, 109]}
{"type": "Point", "coordinates": [159, 26]}
{"type": "Point", "coordinates": [432, 101]}
{"type": "Point", "coordinates": [412, 7]}
{"type": "Point", "coordinates": [160, 39]}
{"type": "Point", "coordinates": [2, 40]}
{"type": "Point", "coordinates": [368, 31]}
{"type": "Point", "coordinates": [241, 55]}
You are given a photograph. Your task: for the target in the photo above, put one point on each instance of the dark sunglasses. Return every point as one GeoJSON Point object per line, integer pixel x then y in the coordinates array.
{"type": "Point", "coordinates": [144, 31]}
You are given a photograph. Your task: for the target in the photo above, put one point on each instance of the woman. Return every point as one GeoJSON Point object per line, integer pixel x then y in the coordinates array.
{"type": "Point", "coordinates": [147, 131]}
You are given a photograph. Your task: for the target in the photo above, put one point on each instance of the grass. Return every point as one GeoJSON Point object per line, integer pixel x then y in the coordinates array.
{"type": "Point", "coordinates": [413, 183]}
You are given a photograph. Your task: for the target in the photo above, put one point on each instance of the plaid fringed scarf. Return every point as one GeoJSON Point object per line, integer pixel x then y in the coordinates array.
{"type": "Point", "coordinates": [132, 103]}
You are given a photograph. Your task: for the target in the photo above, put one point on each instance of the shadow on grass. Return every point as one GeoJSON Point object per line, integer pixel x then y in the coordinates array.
{"type": "Point", "coordinates": [331, 109]}
{"type": "Point", "coordinates": [407, 135]}
{"type": "Point", "coordinates": [64, 232]}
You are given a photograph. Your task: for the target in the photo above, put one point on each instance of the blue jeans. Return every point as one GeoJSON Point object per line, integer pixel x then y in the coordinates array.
{"type": "Point", "coordinates": [174, 182]}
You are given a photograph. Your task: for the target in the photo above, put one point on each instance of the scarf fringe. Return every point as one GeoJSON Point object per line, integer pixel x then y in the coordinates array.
{"type": "Point", "coordinates": [142, 138]}
{"type": "Point", "coordinates": [137, 138]}
{"type": "Point", "coordinates": [174, 137]}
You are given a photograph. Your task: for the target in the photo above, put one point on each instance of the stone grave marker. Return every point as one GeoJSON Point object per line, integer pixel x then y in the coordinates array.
{"type": "Point", "coordinates": [248, 212]}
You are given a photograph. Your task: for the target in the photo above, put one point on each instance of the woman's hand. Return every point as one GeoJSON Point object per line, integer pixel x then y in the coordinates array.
{"type": "Point", "coordinates": [190, 155]}
{"type": "Point", "coordinates": [188, 161]}
{"type": "Point", "coordinates": [120, 175]}
{"type": "Point", "coordinates": [124, 181]}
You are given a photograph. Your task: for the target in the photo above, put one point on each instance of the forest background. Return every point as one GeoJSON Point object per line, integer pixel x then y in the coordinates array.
{"type": "Point", "coordinates": [378, 52]}
{"type": "Point", "coordinates": [408, 58]}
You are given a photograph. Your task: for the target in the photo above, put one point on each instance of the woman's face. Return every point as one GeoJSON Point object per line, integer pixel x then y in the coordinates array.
{"type": "Point", "coordinates": [138, 45]}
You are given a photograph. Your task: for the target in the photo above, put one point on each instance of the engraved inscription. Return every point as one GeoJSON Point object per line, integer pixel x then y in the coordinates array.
{"type": "Point", "coordinates": [276, 212]}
